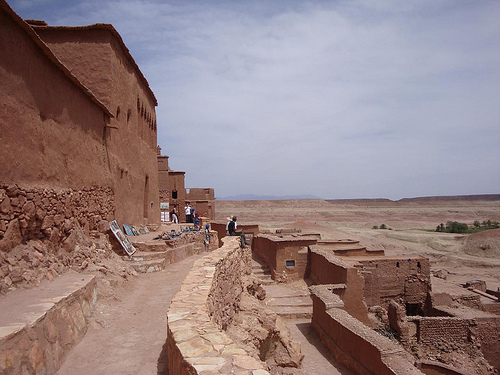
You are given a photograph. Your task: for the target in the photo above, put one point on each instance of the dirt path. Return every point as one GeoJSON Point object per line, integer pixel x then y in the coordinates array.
{"type": "Point", "coordinates": [127, 333]}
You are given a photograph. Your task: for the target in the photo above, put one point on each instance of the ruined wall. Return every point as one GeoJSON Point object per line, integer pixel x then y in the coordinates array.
{"type": "Point", "coordinates": [95, 54]}
{"type": "Point", "coordinates": [469, 344]}
{"type": "Point", "coordinates": [402, 278]}
{"type": "Point", "coordinates": [488, 332]}
{"type": "Point", "coordinates": [195, 342]}
{"type": "Point", "coordinates": [359, 348]}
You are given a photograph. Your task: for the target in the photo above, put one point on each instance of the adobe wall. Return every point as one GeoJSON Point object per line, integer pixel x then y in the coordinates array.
{"type": "Point", "coordinates": [402, 278]}
{"type": "Point", "coordinates": [325, 268]}
{"type": "Point", "coordinates": [176, 183]}
{"type": "Point", "coordinates": [48, 124]}
{"type": "Point", "coordinates": [163, 184]}
{"type": "Point", "coordinates": [95, 55]}
{"type": "Point", "coordinates": [205, 303]}
{"type": "Point", "coordinates": [354, 345]}
{"type": "Point", "coordinates": [277, 251]}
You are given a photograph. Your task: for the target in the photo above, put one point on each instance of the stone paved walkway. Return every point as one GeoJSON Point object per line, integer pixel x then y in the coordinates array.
{"type": "Point", "coordinates": [127, 334]}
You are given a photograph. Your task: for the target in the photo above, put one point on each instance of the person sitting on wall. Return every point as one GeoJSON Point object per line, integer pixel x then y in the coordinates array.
{"type": "Point", "coordinates": [175, 220]}
{"type": "Point", "coordinates": [231, 227]}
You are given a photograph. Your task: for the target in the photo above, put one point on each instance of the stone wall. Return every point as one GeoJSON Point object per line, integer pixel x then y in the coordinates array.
{"type": "Point", "coordinates": [37, 340]}
{"type": "Point", "coordinates": [353, 344]}
{"type": "Point", "coordinates": [35, 213]}
{"type": "Point", "coordinates": [195, 342]}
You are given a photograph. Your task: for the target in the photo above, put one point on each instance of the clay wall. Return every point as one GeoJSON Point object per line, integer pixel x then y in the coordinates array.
{"type": "Point", "coordinates": [200, 194]}
{"type": "Point", "coordinates": [97, 56]}
{"type": "Point", "coordinates": [287, 257]}
{"type": "Point", "coordinates": [396, 278]}
{"type": "Point", "coordinates": [327, 269]}
{"type": "Point", "coordinates": [163, 183]}
{"type": "Point", "coordinates": [195, 342]}
{"type": "Point", "coordinates": [362, 350]}
{"type": "Point", "coordinates": [177, 187]}
{"type": "Point", "coordinates": [48, 123]}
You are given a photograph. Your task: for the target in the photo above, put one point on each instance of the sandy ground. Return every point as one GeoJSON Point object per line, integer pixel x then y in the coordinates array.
{"type": "Point", "coordinates": [412, 229]}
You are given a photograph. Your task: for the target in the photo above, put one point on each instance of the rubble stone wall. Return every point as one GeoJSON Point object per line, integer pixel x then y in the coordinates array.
{"type": "Point", "coordinates": [42, 213]}
{"type": "Point", "coordinates": [433, 330]}
{"type": "Point", "coordinates": [356, 346]}
{"type": "Point", "coordinates": [195, 342]}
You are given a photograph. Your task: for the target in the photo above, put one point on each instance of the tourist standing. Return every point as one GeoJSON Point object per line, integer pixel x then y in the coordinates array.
{"type": "Point", "coordinates": [175, 219]}
{"type": "Point", "coordinates": [189, 218]}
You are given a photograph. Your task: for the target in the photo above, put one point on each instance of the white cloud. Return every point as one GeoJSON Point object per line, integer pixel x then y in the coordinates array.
{"type": "Point", "coordinates": [337, 99]}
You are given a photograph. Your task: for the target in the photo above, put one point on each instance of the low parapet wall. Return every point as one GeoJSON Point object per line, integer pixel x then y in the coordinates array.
{"type": "Point", "coordinates": [354, 344]}
{"type": "Point", "coordinates": [206, 303]}
{"type": "Point", "coordinates": [39, 327]}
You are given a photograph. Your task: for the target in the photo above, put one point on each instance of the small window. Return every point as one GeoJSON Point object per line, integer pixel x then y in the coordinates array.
{"type": "Point", "coordinates": [129, 113]}
{"type": "Point", "coordinates": [290, 263]}
{"type": "Point", "coordinates": [397, 264]}
{"type": "Point", "coordinates": [118, 113]}
{"type": "Point", "coordinates": [418, 265]}
{"type": "Point", "coordinates": [174, 194]}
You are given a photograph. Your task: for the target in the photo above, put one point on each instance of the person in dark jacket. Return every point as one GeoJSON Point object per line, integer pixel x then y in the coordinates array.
{"type": "Point", "coordinates": [232, 230]}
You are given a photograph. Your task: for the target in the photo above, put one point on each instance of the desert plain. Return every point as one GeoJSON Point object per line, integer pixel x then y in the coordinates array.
{"type": "Point", "coordinates": [455, 258]}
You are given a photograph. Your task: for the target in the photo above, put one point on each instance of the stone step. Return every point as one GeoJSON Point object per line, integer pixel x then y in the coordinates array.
{"type": "Point", "coordinates": [261, 271]}
{"type": "Point", "coordinates": [293, 301]}
{"type": "Point", "coordinates": [291, 312]}
{"type": "Point", "coordinates": [147, 266]}
{"type": "Point", "coordinates": [147, 255]}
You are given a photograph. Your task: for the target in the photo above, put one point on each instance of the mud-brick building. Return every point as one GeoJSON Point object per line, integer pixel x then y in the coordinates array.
{"type": "Point", "coordinates": [77, 128]}
{"type": "Point", "coordinates": [173, 192]}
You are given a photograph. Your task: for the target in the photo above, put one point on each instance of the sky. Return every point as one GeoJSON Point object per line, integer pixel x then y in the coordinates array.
{"type": "Point", "coordinates": [336, 99]}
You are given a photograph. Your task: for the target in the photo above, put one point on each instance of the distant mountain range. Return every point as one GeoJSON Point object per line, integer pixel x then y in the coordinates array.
{"type": "Point", "coordinates": [253, 197]}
